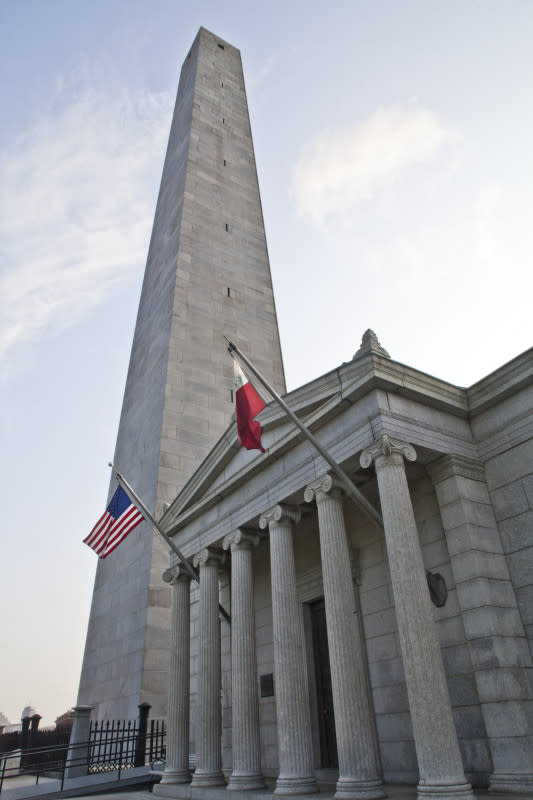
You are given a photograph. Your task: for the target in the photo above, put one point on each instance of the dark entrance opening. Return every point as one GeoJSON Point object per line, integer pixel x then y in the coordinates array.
{"type": "Point", "coordinates": [326, 718]}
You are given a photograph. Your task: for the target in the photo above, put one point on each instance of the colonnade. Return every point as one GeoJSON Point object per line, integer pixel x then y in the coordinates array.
{"type": "Point", "coordinates": [440, 764]}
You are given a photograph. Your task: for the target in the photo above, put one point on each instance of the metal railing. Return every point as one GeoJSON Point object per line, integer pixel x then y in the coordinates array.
{"type": "Point", "coordinates": [43, 737]}
{"type": "Point", "coordinates": [116, 743]}
{"type": "Point", "coordinates": [112, 747]}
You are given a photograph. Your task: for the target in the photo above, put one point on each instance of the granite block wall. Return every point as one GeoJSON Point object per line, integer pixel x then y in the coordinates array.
{"type": "Point", "coordinates": [510, 482]}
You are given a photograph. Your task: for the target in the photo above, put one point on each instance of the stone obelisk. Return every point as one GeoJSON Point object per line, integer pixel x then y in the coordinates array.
{"type": "Point", "coordinates": [207, 275]}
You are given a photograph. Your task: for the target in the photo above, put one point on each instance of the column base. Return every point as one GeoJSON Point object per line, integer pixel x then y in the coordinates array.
{"type": "Point", "coordinates": [243, 782]}
{"type": "Point", "coordinates": [176, 776]}
{"type": "Point", "coordinates": [514, 782]}
{"type": "Point", "coordinates": [205, 779]}
{"type": "Point", "coordinates": [304, 785]}
{"type": "Point", "coordinates": [445, 791]}
{"type": "Point", "coordinates": [352, 789]}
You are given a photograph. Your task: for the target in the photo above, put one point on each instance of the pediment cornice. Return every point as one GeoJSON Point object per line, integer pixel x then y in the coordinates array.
{"type": "Point", "coordinates": [506, 380]}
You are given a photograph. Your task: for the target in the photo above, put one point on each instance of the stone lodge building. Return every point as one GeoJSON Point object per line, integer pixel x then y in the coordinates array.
{"type": "Point", "coordinates": [337, 666]}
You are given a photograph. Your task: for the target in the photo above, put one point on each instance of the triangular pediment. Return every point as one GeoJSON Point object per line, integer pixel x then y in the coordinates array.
{"type": "Point", "coordinates": [229, 466]}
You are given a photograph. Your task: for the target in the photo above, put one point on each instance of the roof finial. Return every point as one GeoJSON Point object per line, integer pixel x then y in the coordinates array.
{"type": "Point", "coordinates": [370, 344]}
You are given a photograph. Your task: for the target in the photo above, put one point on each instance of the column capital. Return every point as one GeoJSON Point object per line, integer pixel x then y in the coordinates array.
{"type": "Point", "coordinates": [387, 446]}
{"type": "Point", "coordinates": [175, 574]}
{"type": "Point", "coordinates": [209, 558]}
{"type": "Point", "coordinates": [240, 540]}
{"type": "Point", "coordinates": [322, 486]}
{"type": "Point", "coordinates": [280, 513]}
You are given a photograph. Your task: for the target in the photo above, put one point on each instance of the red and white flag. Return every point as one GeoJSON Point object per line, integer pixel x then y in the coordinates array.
{"type": "Point", "coordinates": [247, 405]}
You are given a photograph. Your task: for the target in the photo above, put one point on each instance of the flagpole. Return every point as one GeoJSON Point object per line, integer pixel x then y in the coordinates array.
{"type": "Point", "coordinates": [347, 483]}
{"type": "Point", "coordinates": [140, 505]}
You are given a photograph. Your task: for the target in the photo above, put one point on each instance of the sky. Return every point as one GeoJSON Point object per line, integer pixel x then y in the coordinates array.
{"type": "Point", "coordinates": [393, 147]}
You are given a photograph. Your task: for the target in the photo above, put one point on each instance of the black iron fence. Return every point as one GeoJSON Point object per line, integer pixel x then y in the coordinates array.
{"type": "Point", "coordinates": [45, 737]}
{"type": "Point", "coordinates": [112, 747]}
{"type": "Point", "coordinates": [34, 761]}
{"type": "Point", "coordinates": [121, 744]}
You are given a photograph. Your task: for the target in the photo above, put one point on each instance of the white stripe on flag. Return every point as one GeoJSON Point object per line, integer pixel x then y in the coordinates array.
{"type": "Point", "coordinates": [101, 544]}
{"type": "Point", "coordinates": [97, 543]}
{"type": "Point", "coordinates": [103, 521]}
{"type": "Point", "coordinates": [120, 529]}
{"type": "Point", "coordinates": [124, 520]}
{"type": "Point", "coordinates": [99, 531]}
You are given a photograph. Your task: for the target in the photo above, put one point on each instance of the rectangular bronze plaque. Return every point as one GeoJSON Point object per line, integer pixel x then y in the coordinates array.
{"type": "Point", "coordinates": [267, 685]}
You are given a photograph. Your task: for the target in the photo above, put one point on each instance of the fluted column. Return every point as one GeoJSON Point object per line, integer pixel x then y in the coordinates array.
{"type": "Point", "coordinates": [359, 766]}
{"type": "Point", "coordinates": [246, 746]}
{"type": "Point", "coordinates": [439, 759]}
{"type": "Point", "coordinates": [177, 757]}
{"type": "Point", "coordinates": [209, 718]}
{"type": "Point", "coordinates": [292, 704]}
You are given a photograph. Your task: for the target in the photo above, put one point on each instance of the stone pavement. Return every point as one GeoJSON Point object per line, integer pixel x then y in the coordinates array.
{"type": "Point", "coordinates": [395, 792]}
{"type": "Point", "coordinates": [133, 782]}
{"type": "Point", "coordinates": [42, 790]}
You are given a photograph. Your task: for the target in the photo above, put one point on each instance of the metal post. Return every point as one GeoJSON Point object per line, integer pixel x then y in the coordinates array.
{"type": "Point", "coordinates": [120, 758]}
{"type": "Point", "coordinates": [140, 742]}
{"type": "Point", "coordinates": [24, 739]}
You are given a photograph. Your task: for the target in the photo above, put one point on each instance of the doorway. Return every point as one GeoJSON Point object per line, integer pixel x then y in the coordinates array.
{"type": "Point", "coordinates": [326, 717]}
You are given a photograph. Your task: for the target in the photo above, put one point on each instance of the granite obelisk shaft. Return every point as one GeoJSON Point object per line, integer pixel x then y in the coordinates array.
{"type": "Point", "coordinates": [207, 275]}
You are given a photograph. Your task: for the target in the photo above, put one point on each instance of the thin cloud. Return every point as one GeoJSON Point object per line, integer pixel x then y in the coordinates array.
{"type": "Point", "coordinates": [76, 202]}
{"type": "Point", "coordinates": [487, 222]}
{"type": "Point", "coordinates": [258, 78]}
{"type": "Point", "coordinates": [340, 167]}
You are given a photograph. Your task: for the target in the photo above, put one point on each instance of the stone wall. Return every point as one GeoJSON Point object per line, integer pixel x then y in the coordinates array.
{"type": "Point", "coordinates": [510, 481]}
{"type": "Point", "coordinates": [451, 630]}
{"type": "Point", "coordinates": [504, 432]}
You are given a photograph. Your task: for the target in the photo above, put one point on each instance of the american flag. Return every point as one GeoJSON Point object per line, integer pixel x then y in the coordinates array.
{"type": "Point", "coordinates": [119, 519]}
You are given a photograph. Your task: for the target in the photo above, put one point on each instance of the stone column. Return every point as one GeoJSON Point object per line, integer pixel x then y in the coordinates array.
{"type": "Point", "coordinates": [78, 750]}
{"type": "Point", "coordinates": [177, 758]}
{"type": "Point", "coordinates": [246, 746]}
{"type": "Point", "coordinates": [439, 759]}
{"type": "Point", "coordinates": [493, 626]}
{"type": "Point", "coordinates": [209, 723]}
{"type": "Point", "coordinates": [359, 766]}
{"type": "Point", "coordinates": [292, 703]}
